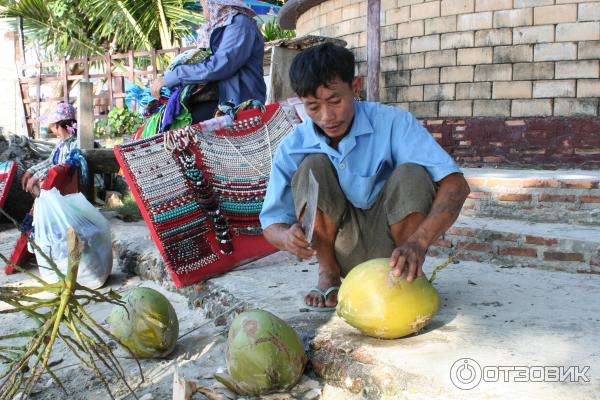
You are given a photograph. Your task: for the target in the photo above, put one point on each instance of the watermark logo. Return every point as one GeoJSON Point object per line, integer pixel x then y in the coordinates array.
{"type": "Point", "coordinates": [466, 373]}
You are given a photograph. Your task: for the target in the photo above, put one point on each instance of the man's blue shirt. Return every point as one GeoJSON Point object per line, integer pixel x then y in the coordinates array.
{"type": "Point", "coordinates": [236, 64]}
{"type": "Point", "coordinates": [381, 138]}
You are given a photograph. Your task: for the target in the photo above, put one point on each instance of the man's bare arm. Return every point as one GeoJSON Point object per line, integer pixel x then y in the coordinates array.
{"type": "Point", "coordinates": [450, 197]}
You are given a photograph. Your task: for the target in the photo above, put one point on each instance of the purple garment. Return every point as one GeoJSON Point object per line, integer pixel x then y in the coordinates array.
{"type": "Point", "coordinates": [172, 110]}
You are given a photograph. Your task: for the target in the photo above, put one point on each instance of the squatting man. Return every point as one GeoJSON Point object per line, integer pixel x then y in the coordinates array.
{"type": "Point", "coordinates": [386, 188]}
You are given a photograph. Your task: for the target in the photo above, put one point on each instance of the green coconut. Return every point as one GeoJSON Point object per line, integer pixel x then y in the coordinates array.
{"type": "Point", "coordinates": [147, 324]}
{"type": "Point", "coordinates": [383, 306]}
{"type": "Point", "coordinates": [264, 354]}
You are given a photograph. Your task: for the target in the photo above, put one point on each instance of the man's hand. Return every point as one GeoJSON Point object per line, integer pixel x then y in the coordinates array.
{"type": "Point", "coordinates": [155, 87]}
{"type": "Point", "coordinates": [409, 258]}
{"type": "Point", "coordinates": [295, 242]}
{"type": "Point", "coordinates": [26, 176]}
{"type": "Point", "coordinates": [289, 238]}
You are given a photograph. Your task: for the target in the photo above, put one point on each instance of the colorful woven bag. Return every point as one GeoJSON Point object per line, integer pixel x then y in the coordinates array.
{"type": "Point", "coordinates": [201, 188]}
{"type": "Point", "coordinates": [8, 170]}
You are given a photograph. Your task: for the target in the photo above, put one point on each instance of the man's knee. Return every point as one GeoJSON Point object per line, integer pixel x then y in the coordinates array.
{"type": "Point", "coordinates": [409, 189]}
{"type": "Point", "coordinates": [329, 187]}
{"type": "Point", "coordinates": [321, 168]}
{"type": "Point", "coordinates": [410, 173]}
{"type": "Point", "coordinates": [314, 162]}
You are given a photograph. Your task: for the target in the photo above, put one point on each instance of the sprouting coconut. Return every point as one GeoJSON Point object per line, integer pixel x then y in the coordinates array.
{"type": "Point", "coordinates": [264, 354]}
{"type": "Point", "coordinates": [383, 306]}
{"type": "Point", "coordinates": [147, 324]}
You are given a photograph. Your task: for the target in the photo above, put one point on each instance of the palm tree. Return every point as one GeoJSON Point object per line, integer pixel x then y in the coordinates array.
{"type": "Point", "coordinates": [75, 28]}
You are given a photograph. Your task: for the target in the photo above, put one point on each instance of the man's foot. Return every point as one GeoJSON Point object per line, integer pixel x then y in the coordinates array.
{"type": "Point", "coordinates": [318, 299]}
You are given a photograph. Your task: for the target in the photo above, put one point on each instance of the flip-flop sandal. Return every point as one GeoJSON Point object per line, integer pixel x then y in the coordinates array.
{"type": "Point", "coordinates": [325, 294]}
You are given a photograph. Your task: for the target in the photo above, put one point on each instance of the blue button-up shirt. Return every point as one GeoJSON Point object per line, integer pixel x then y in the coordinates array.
{"type": "Point", "coordinates": [381, 138]}
{"type": "Point", "coordinates": [236, 63]}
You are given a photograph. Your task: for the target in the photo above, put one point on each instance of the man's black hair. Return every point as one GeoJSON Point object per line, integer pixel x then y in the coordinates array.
{"type": "Point", "coordinates": [320, 66]}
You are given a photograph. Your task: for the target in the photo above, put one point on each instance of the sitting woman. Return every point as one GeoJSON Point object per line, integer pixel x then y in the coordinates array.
{"type": "Point", "coordinates": [235, 67]}
{"type": "Point", "coordinates": [61, 122]}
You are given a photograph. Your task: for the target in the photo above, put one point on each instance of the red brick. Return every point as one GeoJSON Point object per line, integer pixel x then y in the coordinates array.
{"type": "Point", "coordinates": [514, 197]}
{"type": "Point", "coordinates": [579, 184]}
{"type": "Point", "coordinates": [558, 198]}
{"type": "Point", "coordinates": [560, 256]}
{"type": "Point", "coordinates": [517, 251]}
{"type": "Point", "coordinates": [518, 122]}
{"type": "Point", "coordinates": [443, 243]}
{"type": "Point", "coordinates": [589, 199]}
{"type": "Point", "coordinates": [475, 181]}
{"type": "Point", "coordinates": [479, 195]}
{"type": "Point", "coordinates": [584, 271]}
{"type": "Point", "coordinates": [539, 183]}
{"type": "Point", "coordinates": [468, 257]}
{"type": "Point", "coordinates": [540, 240]}
{"type": "Point", "coordinates": [505, 182]}
{"type": "Point", "coordinates": [507, 237]}
{"type": "Point", "coordinates": [464, 231]}
{"type": "Point", "coordinates": [492, 159]}
{"type": "Point", "coordinates": [483, 247]}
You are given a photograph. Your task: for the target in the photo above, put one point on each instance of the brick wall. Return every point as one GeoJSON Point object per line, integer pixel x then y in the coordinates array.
{"type": "Point", "coordinates": [551, 142]}
{"type": "Point", "coordinates": [477, 58]}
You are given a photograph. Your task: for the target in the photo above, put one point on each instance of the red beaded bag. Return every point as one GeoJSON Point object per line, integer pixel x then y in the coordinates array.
{"type": "Point", "coordinates": [200, 189]}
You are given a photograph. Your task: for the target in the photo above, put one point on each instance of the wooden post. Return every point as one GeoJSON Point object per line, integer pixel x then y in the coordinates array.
{"type": "Point", "coordinates": [373, 51]}
{"type": "Point", "coordinates": [21, 38]}
{"type": "Point", "coordinates": [281, 61]}
{"type": "Point", "coordinates": [20, 74]}
{"type": "Point", "coordinates": [109, 79]}
{"type": "Point", "coordinates": [65, 80]}
{"type": "Point", "coordinates": [85, 130]}
{"type": "Point", "coordinates": [86, 69]}
{"type": "Point", "coordinates": [154, 67]}
{"type": "Point", "coordinates": [132, 75]}
{"type": "Point", "coordinates": [119, 88]}
{"type": "Point", "coordinates": [85, 119]}
{"type": "Point", "coordinates": [36, 131]}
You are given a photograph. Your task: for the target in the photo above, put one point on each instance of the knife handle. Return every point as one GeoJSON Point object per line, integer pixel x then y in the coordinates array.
{"type": "Point", "coordinates": [299, 258]}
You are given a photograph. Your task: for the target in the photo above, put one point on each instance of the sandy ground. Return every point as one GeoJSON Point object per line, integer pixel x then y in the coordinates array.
{"type": "Point", "coordinates": [199, 352]}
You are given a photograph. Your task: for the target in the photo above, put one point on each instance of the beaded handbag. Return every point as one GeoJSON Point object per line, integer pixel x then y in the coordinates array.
{"type": "Point", "coordinates": [200, 189]}
{"type": "Point", "coordinates": [8, 170]}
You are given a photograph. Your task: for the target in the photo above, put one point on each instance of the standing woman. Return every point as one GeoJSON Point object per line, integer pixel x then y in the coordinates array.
{"type": "Point", "coordinates": [61, 122]}
{"type": "Point", "coordinates": [236, 64]}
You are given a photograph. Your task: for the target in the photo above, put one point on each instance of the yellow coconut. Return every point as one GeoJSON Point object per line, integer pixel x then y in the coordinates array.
{"type": "Point", "coordinates": [380, 305]}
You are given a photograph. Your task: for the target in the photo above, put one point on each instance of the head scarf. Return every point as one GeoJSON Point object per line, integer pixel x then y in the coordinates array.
{"type": "Point", "coordinates": [63, 111]}
{"type": "Point", "coordinates": [218, 12]}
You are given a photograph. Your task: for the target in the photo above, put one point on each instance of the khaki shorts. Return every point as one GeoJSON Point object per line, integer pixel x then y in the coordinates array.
{"type": "Point", "coordinates": [364, 234]}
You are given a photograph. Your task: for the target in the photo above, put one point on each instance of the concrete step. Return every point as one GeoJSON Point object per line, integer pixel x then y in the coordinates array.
{"type": "Point", "coordinates": [563, 196]}
{"type": "Point", "coordinates": [499, 317]}
{"type": "Point", "coordinates": [559, 247]}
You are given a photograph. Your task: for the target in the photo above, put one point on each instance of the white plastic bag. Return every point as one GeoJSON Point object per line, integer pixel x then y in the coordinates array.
{"type": "Point", "coordinates": [52, 216]}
